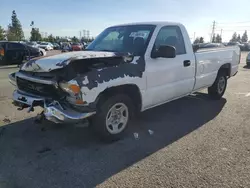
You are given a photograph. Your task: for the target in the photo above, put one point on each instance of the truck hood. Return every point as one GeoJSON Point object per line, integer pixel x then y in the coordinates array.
{"type": "Point", "coordinates": [49, 63]}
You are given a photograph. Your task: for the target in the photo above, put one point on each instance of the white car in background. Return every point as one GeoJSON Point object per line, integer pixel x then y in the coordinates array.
{"type": "Point", "coordinates": [35, 45]}
{"type": "Point", "coordinates": [46, 46]}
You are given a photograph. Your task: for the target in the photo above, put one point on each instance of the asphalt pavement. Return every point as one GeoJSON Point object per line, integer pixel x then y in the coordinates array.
{"type": "Point", "coordinates": [190, 142]}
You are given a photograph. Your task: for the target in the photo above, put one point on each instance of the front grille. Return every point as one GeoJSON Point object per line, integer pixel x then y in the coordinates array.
{"type": "Point", "coordinates": [36, 88]}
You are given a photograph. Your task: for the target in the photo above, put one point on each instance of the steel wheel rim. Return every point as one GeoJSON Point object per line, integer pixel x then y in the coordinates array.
{"type": "Point", "coordinates": [117, 118]}
{"type": "Point", "coordinates": [221, 84]}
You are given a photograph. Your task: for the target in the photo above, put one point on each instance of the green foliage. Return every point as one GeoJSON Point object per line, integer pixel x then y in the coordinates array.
{"type": "Point", "coordinates": [51, 38]}
{"type": "Point", "coordinates": [35, 35]}
{"type": "Point", "coordinates": [15, 31]}
{"type": "Point", "coordinates": [2, 33]}
{"type": "Point", "coordinates": [197, 40]}
{"type": "Point", "coordinates": [201, 40]}
{"type": "Point", "coordinates": [238, 38]}
{"type": "Point", "coordinates": [218, 39]}
{"type": "Point", "coordinates": [244, 37]}
{"type": "Point", "coordinates": [74, 39]}
{"type": "Point", "coordinates": [214, 38]}
{"type": "Point", "coordinates": [234, 37]}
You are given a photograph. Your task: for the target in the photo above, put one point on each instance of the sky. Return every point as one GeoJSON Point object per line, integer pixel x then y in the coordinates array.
{"type": "Point", "coordinates": [69, 17]}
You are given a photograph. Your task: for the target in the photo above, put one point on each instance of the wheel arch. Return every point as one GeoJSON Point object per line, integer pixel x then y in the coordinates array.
{"type": "Point", "coordinates": [226, 68]}
{"type": "Point", "coordinates": [131, 90]}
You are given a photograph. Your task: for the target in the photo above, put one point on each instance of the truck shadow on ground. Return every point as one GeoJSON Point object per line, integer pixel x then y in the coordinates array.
{"type": "Point", "coordinates": [68, 156]}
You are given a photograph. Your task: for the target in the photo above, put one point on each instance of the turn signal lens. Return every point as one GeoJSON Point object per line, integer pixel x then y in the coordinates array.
{"type": "Point", "coordinates": [75, 88]}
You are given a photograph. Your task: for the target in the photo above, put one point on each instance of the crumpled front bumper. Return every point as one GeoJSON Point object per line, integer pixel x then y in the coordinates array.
{"type": "Point", "coordinates": [53, 111]}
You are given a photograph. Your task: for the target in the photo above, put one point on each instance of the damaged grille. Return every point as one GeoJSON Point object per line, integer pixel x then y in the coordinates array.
{"type": "Point", "coordinates": [36, 88]}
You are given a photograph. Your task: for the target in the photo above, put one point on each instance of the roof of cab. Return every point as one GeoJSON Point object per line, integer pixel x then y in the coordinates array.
{"type": "Point", "coordinates": [158, 23]}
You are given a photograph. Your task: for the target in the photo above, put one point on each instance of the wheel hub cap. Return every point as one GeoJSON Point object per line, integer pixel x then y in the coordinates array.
{"type": "Point", "coordinates": [117, 118]}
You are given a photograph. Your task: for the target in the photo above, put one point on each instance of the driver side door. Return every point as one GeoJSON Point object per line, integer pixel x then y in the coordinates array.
{"type": "Point", "coordinates": [170, 78]}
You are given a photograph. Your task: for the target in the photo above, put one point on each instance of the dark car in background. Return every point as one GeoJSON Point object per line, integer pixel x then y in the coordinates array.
{"type": "Point", "coordinates": [14, 53]}
{"type": "Point", "coordinates": [56, 46]}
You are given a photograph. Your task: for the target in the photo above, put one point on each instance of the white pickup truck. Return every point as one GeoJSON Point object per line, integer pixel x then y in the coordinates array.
{"type": "Point", "coordinates": [127, 69]}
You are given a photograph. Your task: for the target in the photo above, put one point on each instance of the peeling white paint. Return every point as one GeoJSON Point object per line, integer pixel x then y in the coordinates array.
{"type": "Point", "coordinates": [91, 94]}
{"type": "Point", "coordinates": [85, 81]}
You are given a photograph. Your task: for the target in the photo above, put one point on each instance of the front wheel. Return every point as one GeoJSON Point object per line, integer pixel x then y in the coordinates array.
{"type": "Point", "coordinates": [112, 117]}
{"type": "Point", "coordinates": [217, 90]}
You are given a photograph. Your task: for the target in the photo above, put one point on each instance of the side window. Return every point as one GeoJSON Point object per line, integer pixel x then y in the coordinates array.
{"type": "Point", "coordinates": [172, 36]}
{"type": "Point", "coordinates": [17, 46]}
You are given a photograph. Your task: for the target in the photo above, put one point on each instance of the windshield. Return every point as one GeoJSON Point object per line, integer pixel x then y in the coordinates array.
{"type": "Point", "coordinates": [44, 43]}
{"type": "Point", "coordinates": [129, 38]}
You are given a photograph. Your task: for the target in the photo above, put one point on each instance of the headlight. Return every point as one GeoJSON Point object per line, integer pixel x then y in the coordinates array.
{"type": "Point", "coordinates": [74, 90]}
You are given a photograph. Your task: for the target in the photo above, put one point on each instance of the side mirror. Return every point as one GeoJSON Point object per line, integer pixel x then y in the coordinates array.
{"type": "Point", "coordinates": [164, 51]}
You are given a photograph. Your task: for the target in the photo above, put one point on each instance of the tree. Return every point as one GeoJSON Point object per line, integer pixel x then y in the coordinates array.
{"type": "Point", "coordinates": [51, 38]}
{"type": "Point", "coordinates": [201, 40]}
{"type": "Point", "coordinates": [244, 37]}
{"type": "Point", "coordinates": [15, 31]}
{"type": "Point", "coordinates": [35, 35]}
{"type": "Point", "coordinates": [214, 38]}
{"type": "Point", "coordinates": [238, 38]}
{"type": "Point", "coordinates": [2, 33]}
{"type": "Point", "coordinates": [218, 39]}
{"type": "Point", "coordinates": [234, 37]}
{"type": "Point", "coordinates": [197, 40]}
{"type": "Point", "coordinates": [74, 39]}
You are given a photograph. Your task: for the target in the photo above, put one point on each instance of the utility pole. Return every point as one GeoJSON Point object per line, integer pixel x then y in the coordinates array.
{"type": "Point", "coordinates": [212, 34]}
{"type": "Point", "coordinates": [221, 34]}
{"type": "Point", "coordinates": [194, 36]}
{"type": "Point", "coordinates": [80, 35]}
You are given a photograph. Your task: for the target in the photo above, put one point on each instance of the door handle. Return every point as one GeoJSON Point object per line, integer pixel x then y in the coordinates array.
{"type": "Point", "coordinates": [187, 63]}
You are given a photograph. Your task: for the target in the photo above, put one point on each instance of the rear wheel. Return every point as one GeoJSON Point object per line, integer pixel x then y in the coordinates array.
{"type": "Point", "coordinates": [41, 53]}
{"type": "Point", "coordinates": [112, 117]}
{"type": "Point", "coordinates": [217, 90]}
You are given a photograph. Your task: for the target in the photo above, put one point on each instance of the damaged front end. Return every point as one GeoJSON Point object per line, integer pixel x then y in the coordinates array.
{"type": "Point", "coordinates": [32, 92]}
{"type": "Point", "coordinates": [53, 83]}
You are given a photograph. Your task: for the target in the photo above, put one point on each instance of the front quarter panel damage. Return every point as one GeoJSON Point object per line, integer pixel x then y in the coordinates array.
{"type": "Point", "coordinates": [96, 81]}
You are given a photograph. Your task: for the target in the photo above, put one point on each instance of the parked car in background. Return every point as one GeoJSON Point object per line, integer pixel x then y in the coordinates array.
{"type": "Point", "coordinates": [35, 45]}
{"type": "Point", "coordinates": [236, 44]}
{"type": "Point", "coordinates": [32, 44]}
{"type": "Point", "coordinates": [46, 46]}
{"type": "Point", "coordinates": [246, 46]}
{"type": "Point", "coordinates": [206, 45]}
{"type": "Point", "coordinates": [248, 60]}
{"type": "Point", "coordinates": [15, 53]}
{"type": "Point", "coordinates": [142, 66]}
{"type": "Point", "coordinates": [66, 47]}
{"type": "Point", "coordinates": [56, 46]}
{"type": "Point", "coordinates": [76, 47]}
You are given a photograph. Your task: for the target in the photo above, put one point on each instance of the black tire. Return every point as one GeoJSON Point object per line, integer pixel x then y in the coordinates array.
{"type": "Point", "coordinates": [98, 122]}
{"type": "Point", "coordinates": [41, 53]}
{"type": "Point", "coordinates": [216, 91]}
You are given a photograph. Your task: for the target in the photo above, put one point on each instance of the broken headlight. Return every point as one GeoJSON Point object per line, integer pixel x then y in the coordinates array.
{"type": "Point", "coordinates": [74, 91]}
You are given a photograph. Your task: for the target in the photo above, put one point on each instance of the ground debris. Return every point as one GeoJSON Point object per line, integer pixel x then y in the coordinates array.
{"type": "Point", "coordinates": [6, 120]}
{"type": "Point", "coordinates": [136, 135]}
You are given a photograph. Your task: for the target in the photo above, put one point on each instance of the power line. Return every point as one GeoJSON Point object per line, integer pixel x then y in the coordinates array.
{"type": "Point", "coordinates": [234, 22]}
